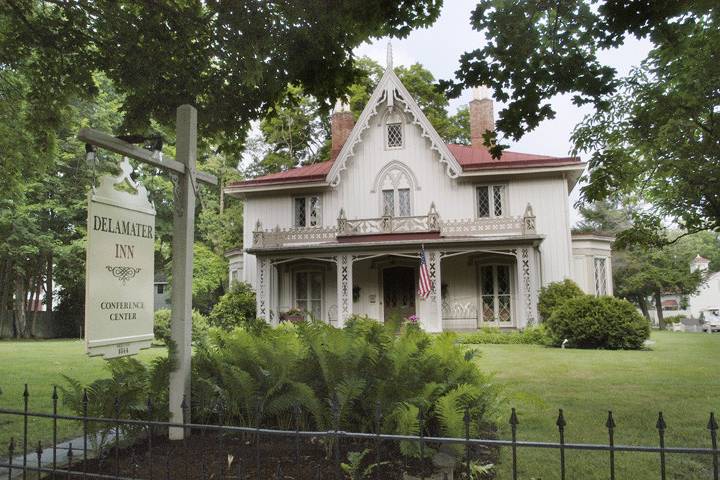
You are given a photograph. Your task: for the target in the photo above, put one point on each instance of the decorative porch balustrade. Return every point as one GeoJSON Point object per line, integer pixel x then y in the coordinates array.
{"type": "Point", "coordinates": [463, 227]}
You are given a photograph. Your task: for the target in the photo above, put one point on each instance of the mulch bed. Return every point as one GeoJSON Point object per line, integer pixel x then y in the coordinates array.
{"type": "Point", "coordinates": [211, 455]}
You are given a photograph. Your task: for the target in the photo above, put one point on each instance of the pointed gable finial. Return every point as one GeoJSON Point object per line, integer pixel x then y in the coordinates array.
{"type": "Point", "coordinates": [389, 62]}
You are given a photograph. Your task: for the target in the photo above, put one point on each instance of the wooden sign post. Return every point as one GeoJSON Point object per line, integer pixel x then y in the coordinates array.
{"type": "Point", "coordinates": [185, 180]}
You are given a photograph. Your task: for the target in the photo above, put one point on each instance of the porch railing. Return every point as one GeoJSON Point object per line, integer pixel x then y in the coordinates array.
{"type": "Point", "coordinates": [430, 223]}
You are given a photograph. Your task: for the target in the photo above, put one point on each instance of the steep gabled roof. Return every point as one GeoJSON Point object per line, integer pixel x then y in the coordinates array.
{"type": "Point", "coordinates": [391, 91]}
{"type": "Point", "coordinates": [458, 159]}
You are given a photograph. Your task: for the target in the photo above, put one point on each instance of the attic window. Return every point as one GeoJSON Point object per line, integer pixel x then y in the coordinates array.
{"type": "Point", "coordinates": [394, 135]}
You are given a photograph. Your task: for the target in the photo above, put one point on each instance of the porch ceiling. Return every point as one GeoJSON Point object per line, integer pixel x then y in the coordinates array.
{"type": "Point", "coordinates": [402, 245]}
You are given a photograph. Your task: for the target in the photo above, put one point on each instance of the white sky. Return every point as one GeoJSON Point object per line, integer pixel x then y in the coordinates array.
{"type": "Point", "coordinates": [439, 47]}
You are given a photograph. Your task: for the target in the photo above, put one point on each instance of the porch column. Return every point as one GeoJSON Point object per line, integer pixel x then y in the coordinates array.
{"type": "Point", "coordinates": [262, 297]}
{"type": "Point", "coordinates": [431, 307]}
{"type": "Point", "coordinates": [527, 291]}
{"type": "Point", "coordinates": [273, 292]}
{"type": "Point", "coordinates": [344, 288]}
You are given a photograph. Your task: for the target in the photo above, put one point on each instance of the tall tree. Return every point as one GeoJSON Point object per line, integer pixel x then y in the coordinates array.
{"type": "Point", "coordinates": [603, 217]}
{"type": "Point", "coordinates": [654, 134]}
{"type": "Point", "coordinates": [538, 49]}
{"type": "Point", "coordinates": [640, 273]}
{"type": "Point", "coordinates": [296, 131]}
{"type": "Point", "coordinates": [660, 137]}
{"type": "Point", "coordinates": [230, 59]}
{"type": "Point", "coordinates": [293, 132]}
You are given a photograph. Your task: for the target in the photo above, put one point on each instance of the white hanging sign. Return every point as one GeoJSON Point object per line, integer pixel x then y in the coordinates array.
{"type": "Point", "coordinates": [119, 272]}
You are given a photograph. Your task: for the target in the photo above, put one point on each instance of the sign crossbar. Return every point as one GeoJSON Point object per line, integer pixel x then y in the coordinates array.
{"type": "Point", "coordinates": [114, 144]}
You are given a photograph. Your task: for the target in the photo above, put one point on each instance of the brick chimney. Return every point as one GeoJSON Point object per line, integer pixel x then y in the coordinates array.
{"type": "Point", "coordinates": [342, 122]}
{"type": "Point", "coordinates": [482, 116]}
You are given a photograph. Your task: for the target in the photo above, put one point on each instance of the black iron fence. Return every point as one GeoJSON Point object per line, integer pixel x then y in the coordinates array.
{"type": "Point", "coordinates": [138, 448]}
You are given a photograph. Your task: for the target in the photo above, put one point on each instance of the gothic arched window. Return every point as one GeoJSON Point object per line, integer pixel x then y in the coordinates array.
{"type": "Point", "coordinates": [395, 184]}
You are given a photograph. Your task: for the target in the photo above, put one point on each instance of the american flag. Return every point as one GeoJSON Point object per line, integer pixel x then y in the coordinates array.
{"type": "Point", "coordinates": [424, 283]}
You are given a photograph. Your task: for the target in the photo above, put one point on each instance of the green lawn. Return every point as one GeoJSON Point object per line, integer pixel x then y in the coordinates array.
{"type": "Point", "coordinates": [680, 376]}
{"type": "Point", "coordinates": [40, 365]}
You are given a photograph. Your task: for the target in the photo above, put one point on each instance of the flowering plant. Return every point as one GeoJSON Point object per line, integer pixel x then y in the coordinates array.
{"type": "Point", "coordinates": [413, 319]}
{"type": "Point", "coordinates": [294, 315]}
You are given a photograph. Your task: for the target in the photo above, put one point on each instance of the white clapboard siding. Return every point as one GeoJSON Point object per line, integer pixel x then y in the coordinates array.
{"type": "Point", "coordinates": [359, 195]}
{"type": "Point", "coordinates": [548, 197]}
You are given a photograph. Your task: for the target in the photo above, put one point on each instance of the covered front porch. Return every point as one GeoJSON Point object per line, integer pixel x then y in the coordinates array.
{"type": "Point", "coordinates": [473, 283]}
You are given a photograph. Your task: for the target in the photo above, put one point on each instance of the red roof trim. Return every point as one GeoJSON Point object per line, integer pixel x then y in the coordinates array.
{"type": "Point", "coordinates": [388, 237]}
{"type": "Point", "coordinates": [470, 159]}
{"type": "Point", "coordinates": [554, 162]}
{"type": "Point", "coordinates": [280, 180]}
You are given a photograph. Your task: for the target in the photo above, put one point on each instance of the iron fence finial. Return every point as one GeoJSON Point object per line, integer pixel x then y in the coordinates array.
{"type": "Point", "coordinates": [610, 423]}
{"type": "Point", "coordinates": [26, 393]}
{"type": "Point", "coordinates": [660, 425]}
{"type": "Point", "coordinates": [712, 423]}
{"type": "Point", "coordinates": [54, 394]}
{"type": "Point", "coordinates": [560, 422]}
{"type": "Point", "coordinates": [513, 418]}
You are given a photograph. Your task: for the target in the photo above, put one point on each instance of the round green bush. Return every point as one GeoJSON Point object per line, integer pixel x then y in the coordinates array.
{"type": "Point", "coordinates": [161, 327]}
{"type": "Point", "coordinates": [555, 294]}
{"type": "Point", "coordinates": [235, 308]}
{"type": "Point", "coordinates": [598, 322]}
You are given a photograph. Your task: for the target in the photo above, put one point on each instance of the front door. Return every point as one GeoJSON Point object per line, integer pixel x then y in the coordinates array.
{"type": "Point", "coordinates": [398, 292]}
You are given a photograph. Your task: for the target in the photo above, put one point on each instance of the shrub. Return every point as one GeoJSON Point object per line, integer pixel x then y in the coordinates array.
{"type": "Point", "coordinates": [235, 308]}
{"type": "Point", "coordinates": [161, 327]}
{"type": "Point", "coordinates": [555, 294]}
{"type": "Point", "coordinates": [532, 336]}
{"type": "Point", "coordinates": [315, 365]}
{"type": "Point", "coordinates": [675, 319]}
{"type": "Point", "coordinates": [598, 322]}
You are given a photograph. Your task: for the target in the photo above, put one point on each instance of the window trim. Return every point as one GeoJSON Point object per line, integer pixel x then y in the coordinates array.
{"type": "Point", "coordinates": [293, 283]}
{"type": "Point", "coordinates": [596, 277]}
{"type": "Point", "coordinates": [393, 117]}
{"type": "Point", "coordinates": [512, 287]}
{"type": "Point", "coordinates": [308, 210]}
{"type": "Point", "coordinates": [505, 199]}
{"type": "Point", "coordinates": [396, 201]}
{"type": "Point", "coordinates": [387, 136]}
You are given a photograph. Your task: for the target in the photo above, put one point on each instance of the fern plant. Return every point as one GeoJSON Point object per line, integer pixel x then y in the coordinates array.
{"type": "Point", "coordinates": [124, 395]}
{"type": "Point", "coordinates": [354, 469]}
{"type": "Point", "coordinates": [340, 376]}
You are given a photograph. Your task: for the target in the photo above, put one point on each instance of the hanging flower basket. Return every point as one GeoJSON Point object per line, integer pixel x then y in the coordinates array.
{"type": "Point", "coordinates": [294, 315]}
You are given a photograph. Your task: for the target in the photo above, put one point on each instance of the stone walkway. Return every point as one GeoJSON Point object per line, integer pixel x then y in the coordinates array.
{"type": "Point", "coordinates": [46, 457]}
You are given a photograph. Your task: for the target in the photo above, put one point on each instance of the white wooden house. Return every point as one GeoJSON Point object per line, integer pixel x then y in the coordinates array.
{"type": "Point", "coordinates": [344, 236]}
